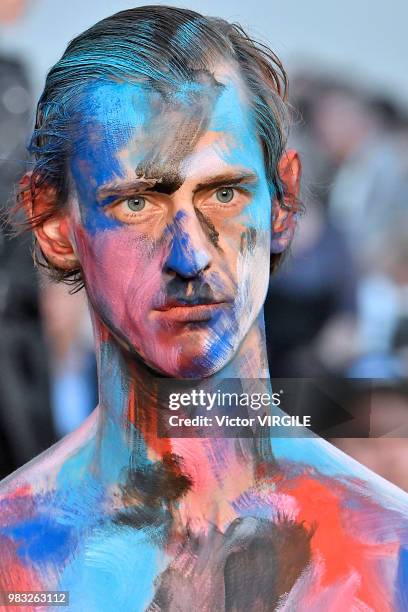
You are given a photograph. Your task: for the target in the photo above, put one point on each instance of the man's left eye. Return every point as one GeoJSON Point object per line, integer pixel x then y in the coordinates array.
{"type": "Point", "coordinates": [224, 195]}
{"type": "Point", "coordinates": [136, 204]}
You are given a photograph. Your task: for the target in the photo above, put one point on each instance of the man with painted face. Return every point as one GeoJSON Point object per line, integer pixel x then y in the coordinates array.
{"type": "Point", "coordinates": [161, 182]}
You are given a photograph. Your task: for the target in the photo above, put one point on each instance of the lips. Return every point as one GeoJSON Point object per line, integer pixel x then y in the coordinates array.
{"type": "Point", "coordinates": [189, 312]}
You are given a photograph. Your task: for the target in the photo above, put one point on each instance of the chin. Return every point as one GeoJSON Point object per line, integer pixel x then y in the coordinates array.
{"type": "Point", "coordinates": [196, 370]}
{"type": "Point", "coordinates": [202, 364]}
{"type": "Point", "coordinates": [189, 362]}
{"type": "Point", "coordinates": [192, 351]}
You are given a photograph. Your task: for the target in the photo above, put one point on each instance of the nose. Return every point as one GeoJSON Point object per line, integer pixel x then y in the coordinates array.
{"type": "Point", "coordinates": [188, 256]}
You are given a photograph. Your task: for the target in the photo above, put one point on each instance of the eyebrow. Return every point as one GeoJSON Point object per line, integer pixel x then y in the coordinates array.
{"type": "Point", "coordinates": [125, 187]}
{"type": "Point", "coordinates": [158, 184]}
{"type": "Point", "coordinates": [228, 178]}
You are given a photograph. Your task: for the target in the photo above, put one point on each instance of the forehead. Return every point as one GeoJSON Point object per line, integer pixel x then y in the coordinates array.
{"type": "Point", "coordinates": [128, 127]}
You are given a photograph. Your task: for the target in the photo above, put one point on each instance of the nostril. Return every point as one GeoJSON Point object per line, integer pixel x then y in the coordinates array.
{"type": "Point", "coordinates": [184, 259]}
{"type": "Point", "coordinates": [187, 265]}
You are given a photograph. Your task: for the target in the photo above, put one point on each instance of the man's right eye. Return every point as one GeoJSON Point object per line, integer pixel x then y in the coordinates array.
{"type": "Point", "coordinates": [136, 204]}
{"type": "Point", "coordinates": [132, 209]}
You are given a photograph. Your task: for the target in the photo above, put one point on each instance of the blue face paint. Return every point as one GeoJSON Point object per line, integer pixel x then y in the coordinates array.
{"type": "Point", "coordinates": [110, 114]}
{"type": "Point", "coordinates": [233, 117]}
{"type": "Point", "coordinates": [183, 258]}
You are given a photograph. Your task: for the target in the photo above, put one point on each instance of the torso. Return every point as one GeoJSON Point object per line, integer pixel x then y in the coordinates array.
{"type": "Point", "coordinates": [295, 540]}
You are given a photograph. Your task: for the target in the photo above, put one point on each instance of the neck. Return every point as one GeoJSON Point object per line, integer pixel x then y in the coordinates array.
{"type": "Point", "coordinates": [130, 410]}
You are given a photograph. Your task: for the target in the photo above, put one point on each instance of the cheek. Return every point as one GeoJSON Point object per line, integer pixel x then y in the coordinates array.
{"type": "Point", "coordinates": [245, 245]}
{"type": "Point", "coordinates": [253, 271]}
{"type": "Point", "coordinates": [122, 272]}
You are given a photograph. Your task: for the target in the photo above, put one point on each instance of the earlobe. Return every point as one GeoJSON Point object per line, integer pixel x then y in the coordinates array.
{"type": "Point", "coordinates": [284, 213]}
{"type": "Point", "coordinates": [49, 223]}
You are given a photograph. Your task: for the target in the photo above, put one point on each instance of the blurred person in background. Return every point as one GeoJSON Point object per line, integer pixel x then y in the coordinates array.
{"type": "Point", "coordinates": [25, 423]}
{"type": "Point", "coordinates": [383, 303]}
{"type": "Point", "coordinates": [360, 137]}
{"type": "Point", "coordinates": [365, 140]}
{"type": "Point", "coordinates": [351, 242]}
{"type": "Point", "coordinates": [311, 304]}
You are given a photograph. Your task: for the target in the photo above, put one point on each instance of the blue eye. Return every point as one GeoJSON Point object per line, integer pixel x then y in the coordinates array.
{"type": "Point", "coordinates": [136, 204]}
{"type": "Point", "coordinates": [224, 195]}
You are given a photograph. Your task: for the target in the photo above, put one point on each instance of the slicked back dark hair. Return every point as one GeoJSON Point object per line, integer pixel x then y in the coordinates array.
{"type": "Point", "coordinates": [156, 43]}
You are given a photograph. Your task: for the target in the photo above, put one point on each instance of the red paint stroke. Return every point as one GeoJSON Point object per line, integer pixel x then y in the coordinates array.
{"type": "Point", "coordinates": [324, 510]}
{"type": "Point", "coordinates": [146, 421]}
{"type": "Point", "coordinates": [15, 576]}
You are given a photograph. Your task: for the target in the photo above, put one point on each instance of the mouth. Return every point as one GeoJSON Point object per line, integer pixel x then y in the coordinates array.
{"type": "Point", "coordinates": [179, 312]}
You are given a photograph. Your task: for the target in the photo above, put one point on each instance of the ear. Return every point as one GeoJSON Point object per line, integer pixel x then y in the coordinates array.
{"type": "Point", "coordinates": [284, 216]}
{"type": "Point", "coordinates": [50, 224]}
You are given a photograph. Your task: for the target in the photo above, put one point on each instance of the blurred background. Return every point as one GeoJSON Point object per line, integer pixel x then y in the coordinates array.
{"type": "Point", "coordinates": [338, 307]}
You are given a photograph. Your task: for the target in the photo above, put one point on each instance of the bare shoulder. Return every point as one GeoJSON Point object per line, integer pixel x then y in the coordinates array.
{"type": "Point", "coordinates": [40, 473]}
{"type": "Point", "coordinates": [31, 496]}
{"type": "Point", "coordinates": [36, 522]}
{"type": "Point", "coordinates": [341, 473]}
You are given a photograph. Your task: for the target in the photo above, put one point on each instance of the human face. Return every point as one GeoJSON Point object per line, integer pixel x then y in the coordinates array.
{"type": "Point", "coordinates": [171, 219]}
